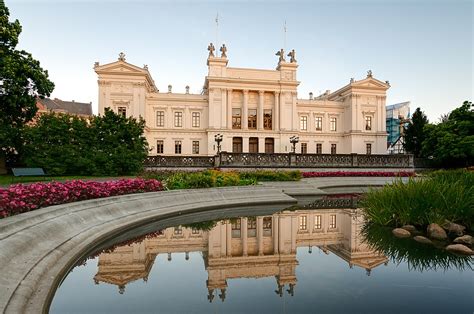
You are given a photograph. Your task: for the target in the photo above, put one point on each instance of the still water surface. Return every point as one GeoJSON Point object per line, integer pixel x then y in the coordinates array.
{"type": "Point", "coordinates": [298, 261]}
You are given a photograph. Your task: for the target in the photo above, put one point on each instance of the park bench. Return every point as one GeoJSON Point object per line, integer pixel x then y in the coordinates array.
{"type": "Point", "coordinates": [28, 172]}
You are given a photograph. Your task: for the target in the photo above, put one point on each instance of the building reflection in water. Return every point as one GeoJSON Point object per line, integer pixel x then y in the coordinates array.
{"type": "Point", "coordinates": [249, 247]}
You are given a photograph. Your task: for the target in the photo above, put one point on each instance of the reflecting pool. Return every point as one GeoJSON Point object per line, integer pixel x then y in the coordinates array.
{"type": "Point", "coordinates": [302, 260]}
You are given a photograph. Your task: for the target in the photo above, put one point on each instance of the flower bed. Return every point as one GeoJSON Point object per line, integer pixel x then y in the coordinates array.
{"type": "Point", "coordinates": [19, 198]}
{"type": "Point", "coordinates": [358, 174]}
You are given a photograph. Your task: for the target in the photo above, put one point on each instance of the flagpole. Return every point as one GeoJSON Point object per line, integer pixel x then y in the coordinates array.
{"type": "Point", "coordinates": [217, 29]}
{"type": "Point", "coordinates": [284, 36]}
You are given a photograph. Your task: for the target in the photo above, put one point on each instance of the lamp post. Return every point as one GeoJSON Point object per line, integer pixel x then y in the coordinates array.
{"type": "Point", "coordinates": [293, 140]}
{"type": "Point", "coordinates": [218, 139]}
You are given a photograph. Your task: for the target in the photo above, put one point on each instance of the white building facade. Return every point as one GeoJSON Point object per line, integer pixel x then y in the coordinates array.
{"type": "Point", "coordinates": [255, 110]}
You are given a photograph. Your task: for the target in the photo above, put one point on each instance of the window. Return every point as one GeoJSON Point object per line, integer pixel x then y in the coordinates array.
{"type": "Point", "coordinates": [267, 119]}
{"type": "Point", "coordinates": [317, 222]}
{"type": "Point", "coordinates": [252, 120]}
{"type": "Point", "coordinates": [236, 226]}
{"type": "Point", "coordinates": [160, 118]}
{"type": "Point", "coordinates": [178, 119]}
{"type": "Point", "coordinates": [159, 147]}
{"type": "Point", "coordinates": [236, 119]}
{"type": "Point", "coordinates": [368, 148]}
{"type": "Point", "coordinates": [178, 230]}
{"type": "Point", "coordinates": [196, 117]}
{"type": "Point", "coordinates": [332, 224]}
{"type": "Point", "coordinates": [333, 124]}
{"type": "Point", "coordinates": [304, 148]}
{"type": "Point", "coordinates": [333, 149]}
{"type": "Point", "coordinates": [177, 147]}
{"type": "Point", "coordinates": [267, 226]}
{"type": "Point", "coordinates": [319, 148]}
{"type": "Point", "coordinates": [195, 147]}
{"type": "Point", "coordinates": [303, 123]}
{"type": "Point", "coordinates": [251, 227]}
{"type": "Point", "coordinates": [237, 145]}
{"type": "Point", "coordinates": [303, 223]}
{"type": "Point", "coordinates": [253, 145]}
{"type": "Point", "coordinates": [319, 123]}
{"type": "Point", "coordinates": [368, 123]}
{"type": "Point", "coordinates": [122, 111]}
{"type": "Point", "coordinates": [269, 145]}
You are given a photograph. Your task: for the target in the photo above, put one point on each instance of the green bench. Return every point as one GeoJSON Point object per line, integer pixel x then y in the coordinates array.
{"type": "Point", "coordinates": [28, 172]}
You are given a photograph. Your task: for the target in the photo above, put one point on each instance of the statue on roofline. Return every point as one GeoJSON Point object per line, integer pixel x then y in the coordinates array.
{"type": "Point", "coordinates": [291, 54]}
{"type": "Point", "coordinates": [223, 51]}
{"type": "Point", "coordinates": [281, 55]}
{"type": "Point", "coordinates": [211, 49]}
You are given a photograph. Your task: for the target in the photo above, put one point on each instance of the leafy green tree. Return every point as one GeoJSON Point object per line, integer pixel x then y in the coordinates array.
{"type": "Point", "coordinates": [414, 133]}
{"type": "Point", "coordinates": [105, 145]}
{"type": "Point", "coordinates": [451, 143]}
{"type": "Point", "coordinates": [21, 80]}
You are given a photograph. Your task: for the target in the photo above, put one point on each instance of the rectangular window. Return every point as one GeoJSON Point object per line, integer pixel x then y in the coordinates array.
{"type": "Point", "coordinates": [236, 144]}
{"type": "Point", "coordinates": [303, 223]}
{"type": "Point", "coordinates": [236, 119]}
{"type": "Point", "coordinates": [303, 123]}
{"type": "Point", "coordinates": [267, 119]}
{"type": "Point", "coordinates": [177, 147]}
{"type": "Point", "coordinates": [333, 124]}
{"type": "Point", "coordinates": [178, 119]}
{"type": "Point", "coordinates": [178, 230]}
{"type": "Point", "coordinates": [267, 226]}
{"type": "Point", "coordinates": [269, 145]}
{"type": "Point", "coordinates": [196, 117]}
{"type": "Point", "coordinates": [253, 145]}
{"type": "Point", "coordinates": [236, 226]}
{"type": "Point", "coordinates": [195, 147]}
{"type": "Point", "coordinates": [332, 224]}
{"type": "Point", "coordinates": [319, 148]}
{"type": "Point", "coordinates": [252, 120]}
{"type": "Point", "coordinates": [251, 227]}
{"type": "Point", "coordinates": [122, 111]}
{"type": "Point", "coordinates": [333, 149]}
{"type": "Point", "coordinates": [304, 148]}
{"type": "Point", "coordinates": [159, 147]}
{"type": "Point", "coordinates": [160, 118]}
{"type": "Point", "coordinates": [319, 123]}
{"type": "Point", "coordinates": [368, 123]}
{"type": "Point", "coordinates": [369, 149]}
{"type": "Point", "coordinates": [317, 222]}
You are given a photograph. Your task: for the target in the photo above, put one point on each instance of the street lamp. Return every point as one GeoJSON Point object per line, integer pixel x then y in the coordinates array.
{"type": "Point", "coordinates": [293, 140]}
{"type": "Point", "coordinates": [218, 139]}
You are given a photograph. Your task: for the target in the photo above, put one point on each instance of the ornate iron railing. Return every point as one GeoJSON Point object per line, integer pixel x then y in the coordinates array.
{"type": "Point", "coordinates": [179, 161]}
{"type": "Point", "coordinates": [288, 160]}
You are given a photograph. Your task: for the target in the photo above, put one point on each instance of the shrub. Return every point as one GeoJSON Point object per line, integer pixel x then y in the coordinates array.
{"type": "Point", "coordinates": [358, 174]}
{"type": "Point", "coordinates": [19, 198]}
{"type": "Point", "coordinates": [270, 175]}
{"type": "Point", "coordinates": [441, 195]}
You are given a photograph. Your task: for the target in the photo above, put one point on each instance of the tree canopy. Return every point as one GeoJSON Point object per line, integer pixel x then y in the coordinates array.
{"type": "Point", "coordinates": [22, 80]}
{"type": "Point", "coordinates": [414, 133]}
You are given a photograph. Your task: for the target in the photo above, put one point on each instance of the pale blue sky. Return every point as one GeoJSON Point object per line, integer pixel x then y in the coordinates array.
{"type": "Point", "coordinates": [424, 48]}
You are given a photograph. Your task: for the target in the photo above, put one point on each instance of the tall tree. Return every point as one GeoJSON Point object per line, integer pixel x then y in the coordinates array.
{"type": "Point", "coordinates": [414, 134]}
{"type": "Point", "coordinates": [21, 80]}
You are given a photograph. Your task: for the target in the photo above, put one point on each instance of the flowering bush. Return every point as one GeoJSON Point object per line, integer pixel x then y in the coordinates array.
{"type": "Point", "coordinates": [19, 198]}
{"type": "Point", "coordinates": [358, 174]}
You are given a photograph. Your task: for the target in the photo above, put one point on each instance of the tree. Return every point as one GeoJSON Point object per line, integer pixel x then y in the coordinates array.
{"type": "Point", "coordinates": [414, 133]}
{"type": "Point", "coordinates": [451, 143]}
{"type": "Point", "coordinates": [107, 145]}
{"type": "Point", "coordinates": [22, 80]}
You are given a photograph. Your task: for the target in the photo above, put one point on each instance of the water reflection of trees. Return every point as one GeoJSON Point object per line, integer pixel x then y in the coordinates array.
{"type": "Point", "coordinates": [419, 257]}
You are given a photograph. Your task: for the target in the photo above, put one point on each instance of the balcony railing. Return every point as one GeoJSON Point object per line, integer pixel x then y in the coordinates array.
{"type": "Point", "coordinates": [179, 161]}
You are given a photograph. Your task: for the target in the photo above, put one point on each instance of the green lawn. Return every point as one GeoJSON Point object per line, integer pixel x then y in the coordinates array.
{"type": "Point", "coordinates": [6, 180]}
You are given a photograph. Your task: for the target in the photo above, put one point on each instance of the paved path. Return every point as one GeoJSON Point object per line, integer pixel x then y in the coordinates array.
{"type": "Point", "coordinates": [38, 248]}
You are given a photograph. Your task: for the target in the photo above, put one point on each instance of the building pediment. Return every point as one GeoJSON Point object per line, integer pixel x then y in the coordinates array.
{"type": "Point", "coordinates": [370, 83]}
{"type": "Point", "coordinates": [120, 67]}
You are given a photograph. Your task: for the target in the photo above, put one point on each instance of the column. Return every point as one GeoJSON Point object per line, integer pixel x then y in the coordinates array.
{"type": "Point", "coordinates": [276, 113]}
{"type": "Point", "coordinates": [294, 113]}
{"type": "Point", "coordinates": [228, 239]}
{"type": "Point", "coordinates": [260, 235]}
{"type": "Point", "coordinates": [261, 95]}
{"type": "Point", "coordinates": [229, 108]}
{"type": "Point", "coordinates": [276, 230]}
{"type": "Point", "coordinates": [245, 110]}
{"type": "Point", "coordinates": [245, 144]}
{"type": "Point", "coordinates": [294, 231]}
{"type": "Point", "coordinates": [261, 145]}
{"type": "Point", "coordinates": [244, 236]}
{"type": "Point", "coordinates": [281, 106]}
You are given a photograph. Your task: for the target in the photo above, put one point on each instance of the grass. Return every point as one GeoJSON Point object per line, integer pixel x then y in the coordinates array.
{"type": "Point", "coordinates": [440, 195]}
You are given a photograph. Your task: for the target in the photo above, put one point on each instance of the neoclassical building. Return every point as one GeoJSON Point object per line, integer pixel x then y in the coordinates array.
{"type": "Point", "coordinates": [255, 110]}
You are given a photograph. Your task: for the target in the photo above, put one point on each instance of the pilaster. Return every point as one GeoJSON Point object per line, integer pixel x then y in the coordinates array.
{"type": "Point", "coordinates": [244, 236]}
{"type": "Point", "coordinates": [261, 98]}
{"type": "Point", "coordinates": [229, 109]}
{"type": "Point", "coordinates": [260, 235]}
{"type": "Point", "coordinates": [245, 110]}
{"type": "Point", "coordinates": [276, 113]}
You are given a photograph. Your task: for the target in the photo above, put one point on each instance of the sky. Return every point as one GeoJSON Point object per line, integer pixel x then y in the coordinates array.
{"type": "Point", "coordinates": [424, 48]}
